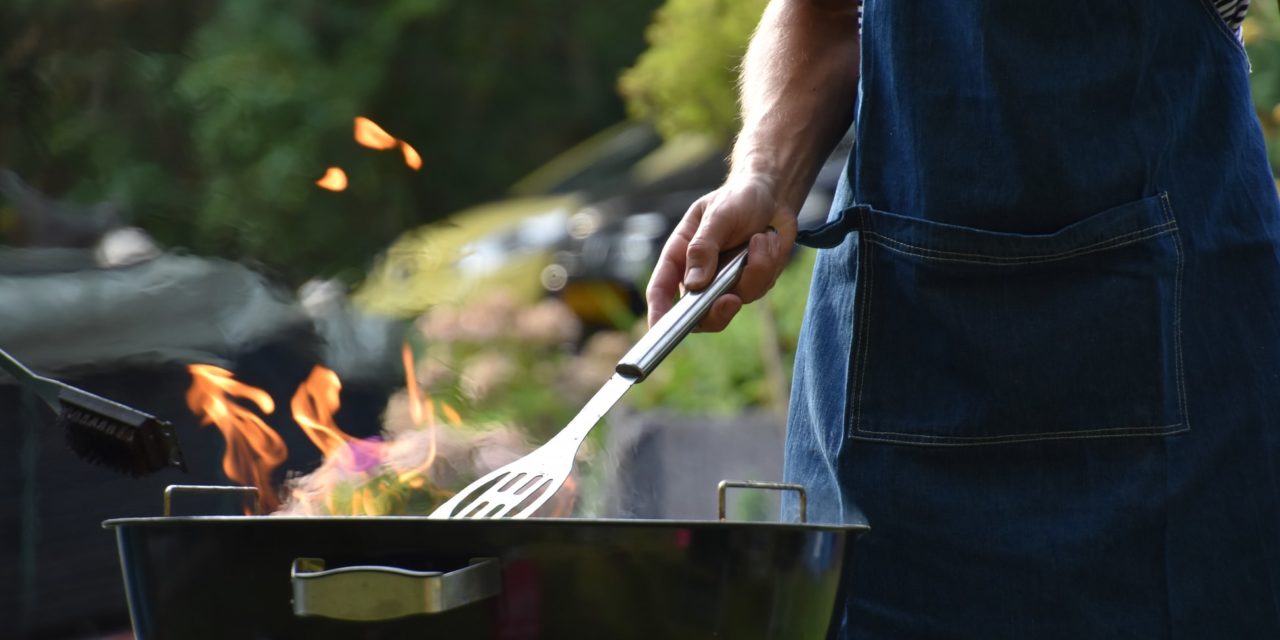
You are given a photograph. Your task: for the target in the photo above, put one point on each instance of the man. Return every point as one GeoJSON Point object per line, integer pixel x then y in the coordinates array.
{"type": "Point", "coordinates": [1041, 356]}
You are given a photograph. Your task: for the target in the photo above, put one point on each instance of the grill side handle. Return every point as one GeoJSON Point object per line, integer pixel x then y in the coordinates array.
{"type": "Point", "coordinates": [372, 593]}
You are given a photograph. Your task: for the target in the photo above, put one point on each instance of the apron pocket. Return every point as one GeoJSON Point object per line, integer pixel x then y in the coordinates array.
{"type": "Point", "coordinates": [971, 337]}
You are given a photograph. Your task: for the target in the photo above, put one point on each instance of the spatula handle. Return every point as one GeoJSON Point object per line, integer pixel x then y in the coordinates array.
{"type": "Point", "coordinates": [662, 337]}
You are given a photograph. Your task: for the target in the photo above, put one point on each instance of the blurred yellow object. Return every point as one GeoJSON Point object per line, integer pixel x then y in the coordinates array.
{"type": "Point", "coordinates": [611, 151]}
{"type": "Point", "coordinates": [599, 303]}
{"type": "Point", "coordinates": [1250, 30]}
{"type": "Point", "coordinates": [510, 243]}
{"type": "Point", "coordinates": [467, 253]}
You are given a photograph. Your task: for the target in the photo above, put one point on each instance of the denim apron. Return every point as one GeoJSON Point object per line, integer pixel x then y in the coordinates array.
{"type": "Point", "coordinates": [1041, 357]}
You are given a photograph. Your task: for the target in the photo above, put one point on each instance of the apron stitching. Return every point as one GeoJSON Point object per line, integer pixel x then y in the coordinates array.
{"type": "Point", "coordinates": [865, 338]}
{"type": "Point", "coordinates": [1011, 436]}
{"type": "Point", "coordinates": [867, 262]}
{"type": "Point", "coordinates": [1221, 25]}
{"type": "Point", "coordinates": [1067, 435]}
{"type": "Point", "coordinates": [1110, 243]}
{"type": "Point", "coordinates": [1177, 312]}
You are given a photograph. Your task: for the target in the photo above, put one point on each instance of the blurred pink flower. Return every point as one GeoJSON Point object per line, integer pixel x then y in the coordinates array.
{"type": "Point", "coordinates": [484, 373]}
{"type": "Point", "coordinates": [488, 317]}
{"type": "Point", "coordinates": [550, 322]}
{"type": "Point", "coordinates": [596, 363]}
{"type": "Point", "coordinates": [440, 324]}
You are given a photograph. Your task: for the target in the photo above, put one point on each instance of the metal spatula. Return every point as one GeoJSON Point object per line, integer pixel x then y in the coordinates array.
{"type": "Point", "coordinates": [518, 489]}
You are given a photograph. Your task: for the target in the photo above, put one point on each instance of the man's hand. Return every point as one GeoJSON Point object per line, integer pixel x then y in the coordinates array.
{"type": "Point", "coordinates": [797, 95]}
{"type": "Point", "coordinates": [745, 209]}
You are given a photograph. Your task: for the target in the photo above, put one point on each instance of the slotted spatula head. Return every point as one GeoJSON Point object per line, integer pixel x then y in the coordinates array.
{"type": "Point", "coordinates": [520, 488]}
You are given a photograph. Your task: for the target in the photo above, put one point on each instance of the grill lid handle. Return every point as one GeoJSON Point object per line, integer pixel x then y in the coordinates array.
{"type": "Point", "coordinates": [370, 593]}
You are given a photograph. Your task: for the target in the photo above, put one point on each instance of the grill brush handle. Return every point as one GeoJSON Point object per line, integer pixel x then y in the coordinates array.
{"type": "Point", "coordinates": [43, 387]}
{"type": "Point", "coordinates": [645, 356]}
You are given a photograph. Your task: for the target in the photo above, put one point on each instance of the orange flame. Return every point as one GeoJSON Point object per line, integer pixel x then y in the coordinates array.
{"type": "Point", "coordinates": [313, 406]}
{"type": "Point", "coordinates": [562, 504]}
{"type": "Point", "coordinates": [361, 477]}
{"type": "Point", "coordinates": [254, 449]}
{"type": "Point", "coordinates": [369, 134]}
{"type": "Point", "coordinates": [334, 179]}
{"type": "Point", "coordinates": [421, 410]}
{"type": "Point", "coordinates": [411, 157]}
{"type": "Point", "coordinates": [358, 477]}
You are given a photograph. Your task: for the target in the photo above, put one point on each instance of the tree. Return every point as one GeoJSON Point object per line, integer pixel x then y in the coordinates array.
{"type": "Point", "coordinates": [1261, 31]}
{"type": "Point", "coordinates": [686, 81]}
{"type": "Point", "coordinates": [210, 121]}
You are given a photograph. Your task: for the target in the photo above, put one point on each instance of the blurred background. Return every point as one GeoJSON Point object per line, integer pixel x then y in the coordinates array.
{"type": "Point", "coordinates": [408, 238]}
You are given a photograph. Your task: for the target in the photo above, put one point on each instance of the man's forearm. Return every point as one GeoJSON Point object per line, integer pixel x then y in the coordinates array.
{"type": "Point", "coordinates": [798, 85]}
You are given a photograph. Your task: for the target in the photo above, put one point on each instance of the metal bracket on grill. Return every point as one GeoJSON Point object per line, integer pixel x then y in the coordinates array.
{"type": "Point", "coordinates": [773, 486]}
{"type": "Point", "coordinates": [172, 489]}
{"type": "Point", "coordinates": [368, 593]}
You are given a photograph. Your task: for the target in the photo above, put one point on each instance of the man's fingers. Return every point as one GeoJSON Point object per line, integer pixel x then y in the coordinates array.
{"type": "Point", "coordinates": [722, 311]}
{"type": "Point", "coordinates": [664, 284]}
{"type": "Point", "coordinates": [767, 255]}
{"type": "Point", "coordinates": [703, 257]}
{"type": "Point", "coordinates": [668, 274]}
{"type": "Point", "coordinates": [715, 235]}
{"type": "Point", "coordinates": [761, 266]}
{"type": "Point", "coordinates": [722, 221]}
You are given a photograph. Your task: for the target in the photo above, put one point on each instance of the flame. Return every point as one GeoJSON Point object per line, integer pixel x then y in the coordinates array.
{"type": "Point", "coordinates": [561, 504]}
{"type": "Point", "coordinates": [359, 477]}
{"type": "Point", "coordinates": [362, 477]}
{"type": "Point", "coordinates": [313, 406]}
{"type": "Point", "coordinates": [411, 157]}
{"type": "Point", "coordinates": [369, 134]}
{"type": "Point", "coordinates": [334, 179]}
{"type": "Point", "coordinates": [422, 412]}
{"type": "Point", "coordinates": [254, 449]}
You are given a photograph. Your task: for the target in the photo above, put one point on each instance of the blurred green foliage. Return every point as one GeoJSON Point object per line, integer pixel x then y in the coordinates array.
{"type": "Point", "coordinates": [210, 120]}
{"type": "Point", "coordinates": [686, 81]}
{"type": "Point", "coordinates": [1261, 31]}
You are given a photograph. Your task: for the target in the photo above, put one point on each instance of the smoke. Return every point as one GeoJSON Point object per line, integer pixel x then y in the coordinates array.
{"type": "Point", "coordinates": [404, 470]}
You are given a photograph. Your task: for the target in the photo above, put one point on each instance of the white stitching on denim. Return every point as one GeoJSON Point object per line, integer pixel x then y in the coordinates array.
{"type": "Point", "coordinates": [1110, 243]}
{"type": "Point", "coordinates": [1034, 434]}
{"type": "Point", "coordinates": [1225, 30]}
{"type": "Point", "coordinates": [950, 441]}
{"type": "Point", "coordinates": [1168, 227]}
{"type": "Point", "coordinates": [1067, 253]}
{"type": "Point", "coordinates": [1177, 313]}
{"type": "Point", "coordinates": [865, 340]}
{"type": "Point", "coordinates": [847, 418]}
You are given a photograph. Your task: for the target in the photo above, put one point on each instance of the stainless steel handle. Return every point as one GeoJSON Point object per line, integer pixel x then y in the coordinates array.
{"type": "Point", "coordinates": [370, 593]}
{"type": "Point", "coordinates": [645, 356]}
{"type": "Point", "coordinates": [773, 486]}
{"type": "Point", "coordinates": [174, 489]}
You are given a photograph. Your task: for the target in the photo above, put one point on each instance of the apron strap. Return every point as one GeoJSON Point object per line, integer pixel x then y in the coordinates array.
{"type": "Point", "coordinates": [832, 233]}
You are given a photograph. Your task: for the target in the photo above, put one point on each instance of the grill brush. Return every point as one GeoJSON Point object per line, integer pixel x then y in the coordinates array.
{"type": "Point", "coordinates": [101, 431]}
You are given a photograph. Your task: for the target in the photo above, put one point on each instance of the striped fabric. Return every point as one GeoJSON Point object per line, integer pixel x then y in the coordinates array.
{"type": "Point", "coordinates": [1232, 12]}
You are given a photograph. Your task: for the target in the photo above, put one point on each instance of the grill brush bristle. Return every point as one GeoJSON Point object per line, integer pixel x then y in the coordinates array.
{"type": "Point", "coordinates": [101, 431]}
